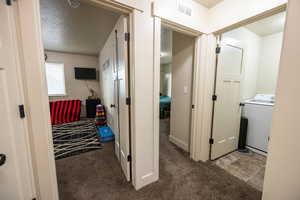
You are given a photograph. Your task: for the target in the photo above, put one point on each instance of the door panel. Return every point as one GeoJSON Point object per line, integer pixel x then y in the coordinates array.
{"type": "Point", "coordinates": [115, 118]}
{"type": "Point", "coordinates": [123, 93]}
{"type": "Point", "coordinates": [227, 111]}
{"type": "Point", "coordinates": [15, 173]}
{"type": "Point", "coordinates": [115, 89]}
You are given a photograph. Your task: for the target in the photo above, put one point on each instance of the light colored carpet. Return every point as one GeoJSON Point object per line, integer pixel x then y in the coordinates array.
{"type": "Point", "coordinates": [249, 167]}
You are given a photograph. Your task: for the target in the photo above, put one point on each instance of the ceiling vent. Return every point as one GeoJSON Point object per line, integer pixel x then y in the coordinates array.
{"type": "Point", "coordinates": [74, 3]}
{"type": "Point", "coordinates": [184, 8]}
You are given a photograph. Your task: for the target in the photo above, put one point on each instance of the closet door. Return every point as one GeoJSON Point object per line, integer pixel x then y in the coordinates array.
{"type": "Point", "coordinates": [227, 111]}
{"type": "Point", "coordinates": [123, 93]}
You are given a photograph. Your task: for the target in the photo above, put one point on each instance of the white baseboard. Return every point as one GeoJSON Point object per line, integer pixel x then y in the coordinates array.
{"type": "Point", "coordinates": [181, 144]}
{"type": "Point", "coordinates": [257, 151]}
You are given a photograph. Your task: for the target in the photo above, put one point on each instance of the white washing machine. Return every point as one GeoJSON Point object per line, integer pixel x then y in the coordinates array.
{"type": "Point", "coordinates": [258, 111]}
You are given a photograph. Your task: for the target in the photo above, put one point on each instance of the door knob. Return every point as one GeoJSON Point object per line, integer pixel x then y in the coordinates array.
{"type": "Point", "coordinates": [112, 105]}
{"type": "Point", "coordinates": [2, 159]}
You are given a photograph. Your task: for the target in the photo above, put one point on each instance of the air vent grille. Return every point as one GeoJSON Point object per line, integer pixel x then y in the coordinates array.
{"type": "Point", "coordinates": [184, 8]}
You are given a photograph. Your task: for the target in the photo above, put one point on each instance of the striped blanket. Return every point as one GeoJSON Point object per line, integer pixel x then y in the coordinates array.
{"type": "Point", "coordinates": [75, 138]}
{"type": "Point", "coordinates": [65, 111]}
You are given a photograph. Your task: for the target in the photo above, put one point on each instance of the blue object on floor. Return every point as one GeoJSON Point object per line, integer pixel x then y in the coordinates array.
{"type": "Point", "coordinates": [106, 134]}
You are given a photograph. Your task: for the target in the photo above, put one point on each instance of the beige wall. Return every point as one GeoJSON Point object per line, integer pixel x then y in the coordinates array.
{"type": "Point", "coordinates": [269, 63]}
{"type": "Point", "coordinates": [231, 12]}
{"type": "Point", "coordinates": [260, 60]}
{"type": "Point", "coordinates": [282, 180]}
{"type": "Point", "coordinates": [251, 44]}
{"type": "Point", "coordinates": [168, 10]}
{"type": "Point", "coordinates": [75, 89]}
{"type": "Point", "coordinates": [182, 76]}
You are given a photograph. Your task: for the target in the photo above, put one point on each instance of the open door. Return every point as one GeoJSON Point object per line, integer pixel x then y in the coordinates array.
{"type": "Point", "coordinates": [122, 85]}
{"type": "Point", "coordinates": [115, 79]}
{"type": "Point", "coordinates": [227, 111]}
{"type": "Point", "coordinates": [15, 170]}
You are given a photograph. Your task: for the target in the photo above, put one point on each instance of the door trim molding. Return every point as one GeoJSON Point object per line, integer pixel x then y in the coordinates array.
{"type": "Point", "coordinates": [199, 78]}
{"type": "Point", "coordinates": [31, 45]}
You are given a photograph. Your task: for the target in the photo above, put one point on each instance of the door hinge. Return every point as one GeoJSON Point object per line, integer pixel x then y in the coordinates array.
{"type": "Point", "coordinates": [8, 2]}
{"type": "Point", "coordinates": [127, 37]}
{"type": "Point", "coordinates": [22, 111]}
{"type": "Point", "coordinates": [211, 141]}
{"type": "Point", "coordinates": [218, 50]}
{"type": "Point", "coordinates": [193, 106]}
{"type": "Point", "coordinates": [128, 101]}
{"type": "Point", "coordinates": [129, 158]}
{"type": "Point", "coordinates": [214, 97]}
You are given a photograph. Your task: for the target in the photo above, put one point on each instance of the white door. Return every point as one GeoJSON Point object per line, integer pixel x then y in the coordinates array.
{"type": "Point", "coordinates": [15, 172]}
{"type": "Point", "coordinates": [115, 116]}
{"type": "Point", "coordinates": [227, 112]}
{"type": "Point", "coordinates": [123, 93]}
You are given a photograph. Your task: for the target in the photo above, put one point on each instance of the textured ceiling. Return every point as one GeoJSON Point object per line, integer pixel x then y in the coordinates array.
{"type": "Point", "coordinates": [269, 25]}
{"type": "Point", "coordinates": [209, 3]}
{"type": "Point", "coordinates": [81, 30]}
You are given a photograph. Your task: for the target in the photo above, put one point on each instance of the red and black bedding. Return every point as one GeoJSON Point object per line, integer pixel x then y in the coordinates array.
{"type": "Point", "coordinates": [65, 111]}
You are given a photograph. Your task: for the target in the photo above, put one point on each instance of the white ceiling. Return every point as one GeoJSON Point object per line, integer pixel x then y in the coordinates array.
{"type": "Point", "coordinates": [209, 3]}
{"type": "Point", "coordinates": [81, 30]}
{"type": "Point", "coordinates": [269, 25]}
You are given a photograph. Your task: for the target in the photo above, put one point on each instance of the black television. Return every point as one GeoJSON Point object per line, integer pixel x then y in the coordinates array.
{"type": "Point", "coordinates": [85, 73]}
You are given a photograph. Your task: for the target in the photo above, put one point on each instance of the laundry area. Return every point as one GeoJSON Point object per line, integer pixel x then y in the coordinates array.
{"type": "Point", "coordinates": [246, 80]}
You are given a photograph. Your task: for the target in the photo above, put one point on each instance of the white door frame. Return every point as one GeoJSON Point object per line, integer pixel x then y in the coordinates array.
{"type": "Point", "coordinates": [199, 40]}
{"type": "Point", "coordinates": [204, 72]}
{"type": "Point", "coordinates": [21, 99]}
{"type": "Point", "coordinates": [36, 92]}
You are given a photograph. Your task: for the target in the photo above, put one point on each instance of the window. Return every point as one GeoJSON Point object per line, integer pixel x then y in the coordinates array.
{"type": "Point", "coordinates": [55, 79]}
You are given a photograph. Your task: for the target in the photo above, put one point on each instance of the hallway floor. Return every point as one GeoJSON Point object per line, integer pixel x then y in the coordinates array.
{"type": "Point", "coordinates": [97, 176]}
{"type": "Point", "coordinates": [249, 167]}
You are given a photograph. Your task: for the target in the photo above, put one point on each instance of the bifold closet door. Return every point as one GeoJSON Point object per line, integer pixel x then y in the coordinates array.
{"type": "Point", "coordinates": [227, 112]}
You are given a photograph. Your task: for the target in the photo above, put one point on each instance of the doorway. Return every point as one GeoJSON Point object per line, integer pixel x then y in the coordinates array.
{"type": "Point", "coordinates": [176, 93]}
{"type": "Point", "coordinates": [87, 73]}
{"type": "Point", "coordinates": [244, 97]}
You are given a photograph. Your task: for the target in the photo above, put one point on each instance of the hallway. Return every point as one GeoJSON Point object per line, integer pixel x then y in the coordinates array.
{"type": "Point", "coordinates": [96, 175]}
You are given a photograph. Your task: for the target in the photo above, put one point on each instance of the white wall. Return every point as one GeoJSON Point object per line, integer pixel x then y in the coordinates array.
{"type": "Point", "coordinates": [230, 12]}
{"type": "Point", "coordinates": [182, 76]}
{"type": "Point", "coordinates": [283, 165]}
{"type": "Point", "coordinates": [75, 89]}
{"type": "Point", "coordinates": [107, 65]}
{"type": "Point", "coordinates": [269, 63]}
{"type": "Point", "coordinates": [168, 11]}
{"type": "Point", "coordinates": [145, 142]}
{"type": "Point", "coordinates": [251, 44]}
{"type": "Point", "coordinates": [260, 60]}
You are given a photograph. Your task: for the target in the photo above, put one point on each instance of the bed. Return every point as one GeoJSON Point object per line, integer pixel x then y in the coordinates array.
{"type": "Point", "coordinates": [164, 107]}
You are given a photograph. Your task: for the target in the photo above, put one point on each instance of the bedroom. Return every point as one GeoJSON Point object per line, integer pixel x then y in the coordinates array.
{"type": "Point", "coordinates": [176, 91]}
{"type": "Point", "coordinates": [87, 81]}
